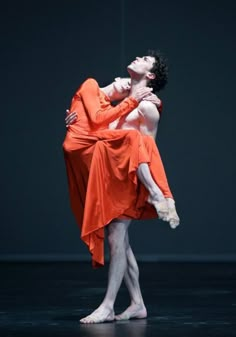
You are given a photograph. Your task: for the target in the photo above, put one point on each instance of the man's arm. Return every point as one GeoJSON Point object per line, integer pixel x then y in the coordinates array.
{"type": "Point", "coordinates": [149, 118]}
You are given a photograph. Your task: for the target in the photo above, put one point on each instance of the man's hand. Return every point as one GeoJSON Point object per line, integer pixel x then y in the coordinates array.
{"type": "Point", "coordinates": [154, 99]}
{"type": "Point", "coordinates": [70, 118]}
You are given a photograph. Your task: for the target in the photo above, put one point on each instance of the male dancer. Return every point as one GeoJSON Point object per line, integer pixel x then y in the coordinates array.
{"type": "Point", "coordinates": [122, 263]}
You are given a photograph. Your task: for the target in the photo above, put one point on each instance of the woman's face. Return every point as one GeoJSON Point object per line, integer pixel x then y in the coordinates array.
{"type": "Point", "coordinates": [121, 87]}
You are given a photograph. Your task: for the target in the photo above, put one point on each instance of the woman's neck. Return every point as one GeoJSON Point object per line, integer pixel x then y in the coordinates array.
{"type": "Point", "coordinates": [108, 90]}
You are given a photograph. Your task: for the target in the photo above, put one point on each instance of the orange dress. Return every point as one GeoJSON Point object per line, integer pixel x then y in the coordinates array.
{"type": "Point", "coordinates": [101, 167]}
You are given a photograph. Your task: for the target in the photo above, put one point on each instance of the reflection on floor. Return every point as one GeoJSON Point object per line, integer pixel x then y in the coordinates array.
{"type": "Point", "coordinates": [183, 299]}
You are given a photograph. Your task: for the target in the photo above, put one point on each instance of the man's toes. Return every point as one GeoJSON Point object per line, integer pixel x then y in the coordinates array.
{"type": "Point", "coordinates": [85, 320]}
{"type": "Point", "coordinates": [122, 317]}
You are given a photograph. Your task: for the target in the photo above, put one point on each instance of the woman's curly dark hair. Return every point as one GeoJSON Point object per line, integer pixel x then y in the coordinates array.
{"type": "Point", "coordinates": [160, 69]}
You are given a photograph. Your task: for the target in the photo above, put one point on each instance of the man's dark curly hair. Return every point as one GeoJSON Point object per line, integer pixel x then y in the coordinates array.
{"type": "Point", "coordinates": [160, 69]}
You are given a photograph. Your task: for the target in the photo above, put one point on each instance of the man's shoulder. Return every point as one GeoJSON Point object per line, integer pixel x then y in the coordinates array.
{"type": "Point", "coordinates": [146, 105]}
{"type": "Point", "coordinates": [149, 109]}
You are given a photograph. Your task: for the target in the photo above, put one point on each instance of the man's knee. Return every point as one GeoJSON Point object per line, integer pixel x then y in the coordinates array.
{"type": "Point", "coordinates": [116, 240]}
{"type": "Point", "coordinates": [115, 245]}
{"type": "Point", "coordinates": [116, 236]}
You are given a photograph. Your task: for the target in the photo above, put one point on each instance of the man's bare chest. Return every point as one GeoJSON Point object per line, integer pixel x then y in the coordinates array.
{"type": "Point", "coordinates": [132, 120]}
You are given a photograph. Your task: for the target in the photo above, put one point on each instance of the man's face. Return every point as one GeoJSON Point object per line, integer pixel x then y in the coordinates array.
{"type": "Point", "coordinates": [142, 65]}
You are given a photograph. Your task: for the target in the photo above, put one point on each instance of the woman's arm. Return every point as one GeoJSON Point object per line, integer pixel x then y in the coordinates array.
{"type": "Point", "coordinates": [98, 114]}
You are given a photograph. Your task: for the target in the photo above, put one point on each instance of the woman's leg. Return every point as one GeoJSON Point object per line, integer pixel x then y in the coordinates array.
{"type": "Point", "coordinates": [156, 197]}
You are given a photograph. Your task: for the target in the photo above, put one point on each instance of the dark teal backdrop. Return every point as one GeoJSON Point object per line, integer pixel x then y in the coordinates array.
{"type": "Point", "coordinates": [48, 49]}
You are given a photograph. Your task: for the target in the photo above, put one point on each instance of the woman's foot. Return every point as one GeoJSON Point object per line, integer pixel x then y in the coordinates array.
{"type": "Point", "coordinates": [136, 311]}
{"type": "Point", "coordinates": [172, 217]}
{"type": "Point", "coordinates": [161, 207]}
{"type": "Point", "coordinates": [100, 315]}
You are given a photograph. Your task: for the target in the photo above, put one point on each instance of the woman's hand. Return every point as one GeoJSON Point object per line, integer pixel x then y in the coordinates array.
{"type": "Point", "coordinates": [140, 93]}
{"type": "Point", "coordinates": [70, 118]}
{"type": "Point", "coordinates": [154, 99]}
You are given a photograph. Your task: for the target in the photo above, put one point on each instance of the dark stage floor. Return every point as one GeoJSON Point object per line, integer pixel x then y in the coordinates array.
{"type": "Point", "coordinates": [183, 299]}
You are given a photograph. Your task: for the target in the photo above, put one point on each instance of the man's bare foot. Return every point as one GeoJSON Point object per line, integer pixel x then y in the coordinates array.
{"type": "Point", "coordinates": [173, 217]}
{"type": "Point", "coordinates": [100, 315]}
{"type": "Point", "coordinates": [136, 311]}
{"type": "Point", "coordinates": [161, 207]}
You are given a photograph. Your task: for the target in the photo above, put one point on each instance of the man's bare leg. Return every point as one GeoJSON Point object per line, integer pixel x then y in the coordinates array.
{"type": "Point", "coordinates": [156, 197]}
{"type": "Point", "coordinates": [137, 308]}
{"type": "Point", "coordinates": [117, 230]}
